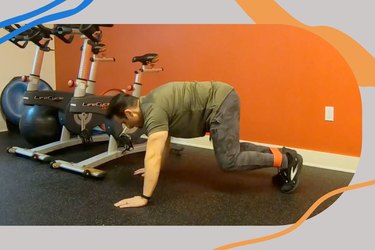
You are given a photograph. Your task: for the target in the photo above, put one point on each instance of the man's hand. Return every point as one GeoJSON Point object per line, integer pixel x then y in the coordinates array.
{"type": "Point", "coordinates": [140, 171]}
{"type": "Point", "coordinates": [136, 201]}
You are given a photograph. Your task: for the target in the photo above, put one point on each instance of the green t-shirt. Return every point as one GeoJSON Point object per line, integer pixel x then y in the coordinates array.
{"type": "Point", "coordinates": [184, 109]}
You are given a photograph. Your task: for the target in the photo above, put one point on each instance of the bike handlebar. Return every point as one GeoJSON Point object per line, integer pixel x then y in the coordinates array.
{"type": "Point", "coordinates": [41, 35]}
{"type": "Point", "coordinates": [91, 31]}
{"type": "Point", "coordinates": [65, 32]}
{"type": "Point", "coordinates": [17, 39]}
{"type": "Point", "coordinates": [34, 34]}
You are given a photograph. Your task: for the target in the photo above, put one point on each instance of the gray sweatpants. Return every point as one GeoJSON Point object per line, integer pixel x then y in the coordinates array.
{"type": "Point", "coordinates": [230, 153]}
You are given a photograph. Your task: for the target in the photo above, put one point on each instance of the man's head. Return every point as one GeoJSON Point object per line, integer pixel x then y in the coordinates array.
{"type": "Point", "coordinates": [125, 109]}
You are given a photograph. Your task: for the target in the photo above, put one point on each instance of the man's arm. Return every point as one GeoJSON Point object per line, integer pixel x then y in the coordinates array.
{"type": "Point", "coordinates": [156, 145]}
{"type": "Point", "coordinates": [166, 151]}
{"type": "Point", "coordinates": [153, 160]}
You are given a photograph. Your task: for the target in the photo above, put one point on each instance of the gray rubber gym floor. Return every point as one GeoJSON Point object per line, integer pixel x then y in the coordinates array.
{"type": "Point", "coordinates": [192, 190]}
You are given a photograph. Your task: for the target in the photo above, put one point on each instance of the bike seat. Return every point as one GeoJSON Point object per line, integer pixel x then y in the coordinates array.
{"type": "Point", "coordinates": [146, 59]}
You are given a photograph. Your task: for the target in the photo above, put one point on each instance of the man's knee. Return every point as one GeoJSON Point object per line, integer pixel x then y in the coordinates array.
{"type": "Point", "coordinates": [227, 164]}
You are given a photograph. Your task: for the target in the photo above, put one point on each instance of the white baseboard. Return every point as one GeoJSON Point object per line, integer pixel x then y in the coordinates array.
{"type": "Point", "coordinates": [311, 158]}
{"type": "Point", "coordinates": [343, 163]}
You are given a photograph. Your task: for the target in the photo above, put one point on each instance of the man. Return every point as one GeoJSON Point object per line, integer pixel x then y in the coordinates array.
{"type": "Point", "coordinates": [190, 109]}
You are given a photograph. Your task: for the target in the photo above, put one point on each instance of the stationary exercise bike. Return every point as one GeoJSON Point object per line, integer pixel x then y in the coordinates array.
{"type": "Point", "coordinates": [13, 108]}
{"type": "Point", "coordinates": [130, 140]}
{"type": "Point", "coordinates": [74, 124]}
{"type": "Point", "coordinates": [88, 107]}
{"type": "Point", "coordinates": [41, 36]}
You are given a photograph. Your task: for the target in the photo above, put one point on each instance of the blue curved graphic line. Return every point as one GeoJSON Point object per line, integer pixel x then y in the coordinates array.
{"type": "Point", "coordinates": [30, 14]}
{"type": "Point", "coordinates": [45, 19]}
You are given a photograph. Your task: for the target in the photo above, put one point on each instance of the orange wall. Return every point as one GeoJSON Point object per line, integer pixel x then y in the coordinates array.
{"type": "Point", "coordinates": [285, 77]}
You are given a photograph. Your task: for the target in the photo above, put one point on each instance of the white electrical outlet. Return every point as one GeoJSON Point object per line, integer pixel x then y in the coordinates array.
{"type": "Point", "coordinates": [329, 113]}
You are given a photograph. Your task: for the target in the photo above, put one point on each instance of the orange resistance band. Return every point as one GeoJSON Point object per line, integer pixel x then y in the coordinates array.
{"type": "Point", "coordinates": [277, 157]}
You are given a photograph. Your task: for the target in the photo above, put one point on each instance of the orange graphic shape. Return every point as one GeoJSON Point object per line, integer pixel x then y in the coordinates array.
{"type": "Point", "coordinates": [301, 220]}
{"type": "Point", "coordinates": [361, 62]}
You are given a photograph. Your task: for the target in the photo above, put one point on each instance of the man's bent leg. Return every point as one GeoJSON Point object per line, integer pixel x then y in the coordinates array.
{"type": "Point", "coordinates": [232, 155]}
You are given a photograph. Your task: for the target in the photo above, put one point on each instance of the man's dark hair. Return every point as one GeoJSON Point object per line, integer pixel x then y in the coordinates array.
{"type": "Point", "coordinates": [119, 103]}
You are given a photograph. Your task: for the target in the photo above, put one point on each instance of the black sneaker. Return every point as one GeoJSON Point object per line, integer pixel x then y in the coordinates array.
{"type": "Point", "coordinates": [288, 178]}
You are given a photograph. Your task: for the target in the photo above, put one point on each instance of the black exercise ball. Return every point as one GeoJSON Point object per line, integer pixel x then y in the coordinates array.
{"type": "Point", "coordinates": [39, 125]}
{"type": "Point", "coordinates": [11, 99]}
